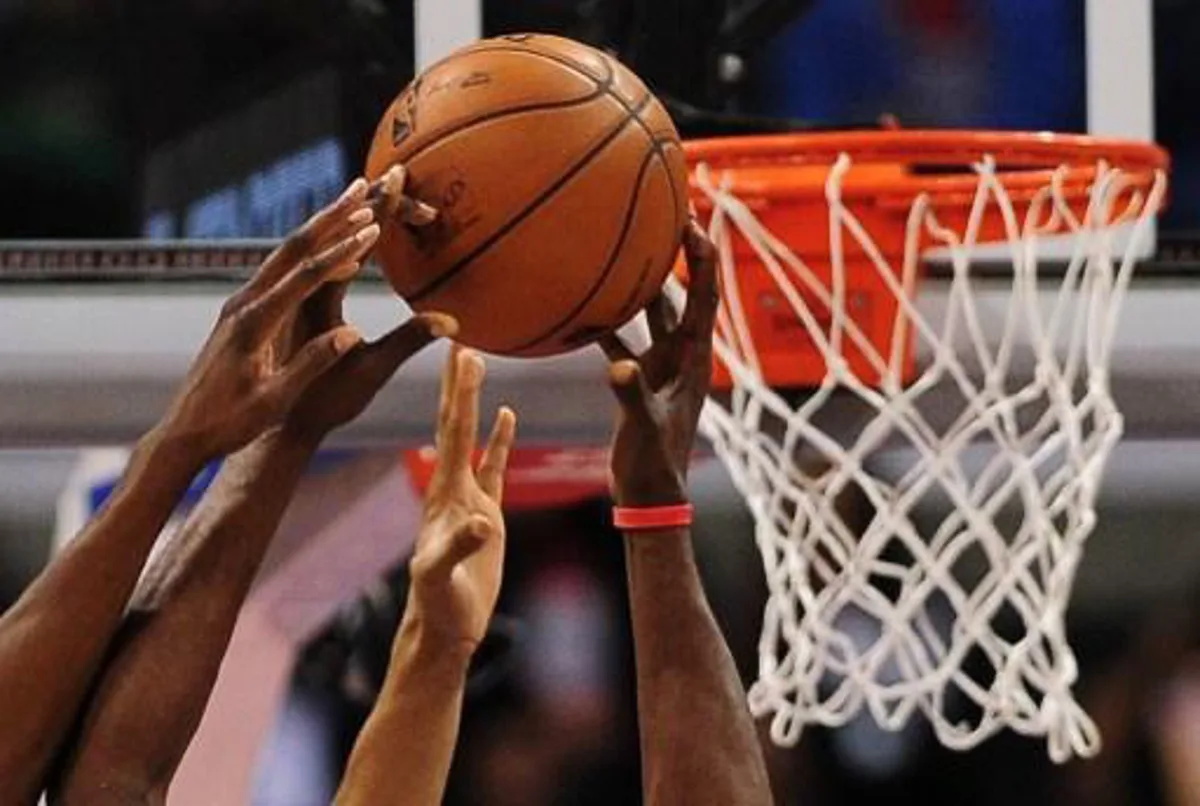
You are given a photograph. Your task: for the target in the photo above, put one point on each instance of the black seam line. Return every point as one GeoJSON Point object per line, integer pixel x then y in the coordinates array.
{"type": "Point", "coordinates": [632, 109]}
{"type": "Point", "coordinates": [497, 45]}
{"type": "Point", "coordinates": [607, 79]}
{"type": "Point", "coordinates": [618, 247]}
{"type": "Point", "coordinates": [605, 84]}
{"type": "Point", "coordinates": [521, 215]}
{"type": "Point", "coordinates": [671, 184]}
{"type": "Point", "coordinates": [610, 80]}
{"type": "Point", "coordinates": [437, 137]}
{"type": "Point", "coordinates": [655, 142]}
{"type": "Point", "coordinates": [628, 308]}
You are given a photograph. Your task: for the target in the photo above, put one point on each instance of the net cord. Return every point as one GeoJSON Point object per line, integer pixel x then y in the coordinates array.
{"type": "Point", "coordinates": [824, 576]}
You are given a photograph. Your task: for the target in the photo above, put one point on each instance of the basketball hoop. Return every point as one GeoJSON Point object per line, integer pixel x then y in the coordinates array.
{"type": "Point", "coordinates": [982, 413]}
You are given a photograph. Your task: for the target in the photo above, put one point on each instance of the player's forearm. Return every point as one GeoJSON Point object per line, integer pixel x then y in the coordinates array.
{"type": "Point", "coordinates": [402, 757]}
{"type": "Point", "coordinates": [53, 640]}
{"type": "Point", "coordinates": [153, 691]}
{"type": "Point", "coordinates": [698, 740]}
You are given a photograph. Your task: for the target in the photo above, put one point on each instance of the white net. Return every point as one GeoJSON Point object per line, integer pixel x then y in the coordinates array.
{"type": "Point", "coordinates": [920, 535]}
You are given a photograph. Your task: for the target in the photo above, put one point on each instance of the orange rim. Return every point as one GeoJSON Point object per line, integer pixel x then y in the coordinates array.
{"type": "Point", "coordinates": [767, 166]}
{"type": "Point", "coordinates": [783, 178]}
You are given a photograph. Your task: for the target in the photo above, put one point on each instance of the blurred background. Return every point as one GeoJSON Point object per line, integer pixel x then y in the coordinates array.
{"type": "Point", "coordinates": [204, 119]}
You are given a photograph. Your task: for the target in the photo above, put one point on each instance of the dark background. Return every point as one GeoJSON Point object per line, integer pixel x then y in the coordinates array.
{"type": "Point", "coordinates": [93, 93]}
{"type": "Point", "coordinates": [113, 111]}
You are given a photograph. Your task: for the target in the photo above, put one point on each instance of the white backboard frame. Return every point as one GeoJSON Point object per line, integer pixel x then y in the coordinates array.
{"type": "Point", "coordinates": [1120, 75]}
{"type": "Point", "coordinates": [441, 26]}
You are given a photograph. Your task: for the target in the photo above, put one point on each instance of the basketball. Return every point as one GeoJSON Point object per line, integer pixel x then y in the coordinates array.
{"type": "Point", "coordinates": [560, 186]}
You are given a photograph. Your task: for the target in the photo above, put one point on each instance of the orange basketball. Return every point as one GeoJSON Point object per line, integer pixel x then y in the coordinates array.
{"type": "Point", "coordinates": [561, 189]}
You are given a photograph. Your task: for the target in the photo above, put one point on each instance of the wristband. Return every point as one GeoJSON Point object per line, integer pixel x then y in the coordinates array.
{"type": "Point", "coordinates": [644, 519]}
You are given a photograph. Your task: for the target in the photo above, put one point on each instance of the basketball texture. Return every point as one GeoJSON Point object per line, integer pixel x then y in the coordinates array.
{"type": "Point", "coordinates": [561, 189]}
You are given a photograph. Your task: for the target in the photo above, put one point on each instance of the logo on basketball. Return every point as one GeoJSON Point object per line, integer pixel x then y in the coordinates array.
{"type": "Point", "coordinates": [478, 78]}
{"type": "Point", "coordinates": [458, 209]}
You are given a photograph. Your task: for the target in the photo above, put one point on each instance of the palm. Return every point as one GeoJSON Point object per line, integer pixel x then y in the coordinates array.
{"type": "Point", "coordinates": [663, 391]}
{"type": "Point", "coordinates": [459, 557]}
{"type": "Point", "coordinates": [469, 598]}
{"type": "Point", "coordinates": [346, 389]}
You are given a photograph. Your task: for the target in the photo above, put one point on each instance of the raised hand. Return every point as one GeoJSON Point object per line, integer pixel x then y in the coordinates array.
{"type": "Point", "coordinates": [456, 568]}
{"type": "Point", "coordinates": [240, 385]}
{"type": "Point", "coordinates": [408, 740]}
{"type": "Point", "coordinates": [695, 750]}
{"type": "Point", "coordinates": [345, 390]}
{"type": "Point", "coordinates": [662, 392]}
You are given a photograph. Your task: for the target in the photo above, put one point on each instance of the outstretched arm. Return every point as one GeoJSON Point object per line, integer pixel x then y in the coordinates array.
{"type": "Point", "coordinates": [698, 740]}
{"type": "Point", "coordinates": [403, 755]}
{"type": "Point", "coordinates": [164, 659]}
{"type": "Point", "coordinates": [53, 640]}
{"type": "Point", "coordinates": [153, 692]}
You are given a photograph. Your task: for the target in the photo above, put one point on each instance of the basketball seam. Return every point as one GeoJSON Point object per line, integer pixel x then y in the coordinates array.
{"type": "Point", "coordinates": [500, 114]}
{"type": "Point", "coordinates": [628, 309]}
{"type": "Point", "coordinates": [528, 210]}
{"type": "Point", "coordinates": [618, 246]}
{"type": "Point", "coordinates": [565, 61]}
{"type": "Point", "coordinates": [607, 80]}
{"type": "Point", "coordinates": [604, 85]}
{"type": "Point", "coordinates": [657, 145]}
{"type": "Point", "coordinates": [671, 183]}
{"type": "Point", "coordinates": [494, 46]}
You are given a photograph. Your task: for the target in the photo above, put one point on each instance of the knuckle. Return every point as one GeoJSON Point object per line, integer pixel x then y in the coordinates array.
{"type": "Point", "coordinates": [235, 303]}
{"type": "Point", "coordinates": [313, 269]}
{"type": "Point", "coordinates": [300, 242]}
{"type": "Point", "coordinates": [266, 407]}
{"type": "Point", "coordinates": [244, 328]}
{"type": "Point", "coordinates": [324, 354]}
{"type": "Point", "coordinates": [419, 568]}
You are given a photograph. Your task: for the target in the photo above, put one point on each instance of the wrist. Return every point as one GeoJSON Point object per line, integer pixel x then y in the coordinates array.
{"type": "Point", "coordinates": [289, 445]}
{"type": "Point", "coordinates": [428, 648]}
{"type": "Point", "coordinates": [642, 496]}
{"type": "Point", "coordinates": [294, 437]}
{"type": "Point", "coordinates": [166, 459]}
{"type": "Point", "coordinates": [637, 519]}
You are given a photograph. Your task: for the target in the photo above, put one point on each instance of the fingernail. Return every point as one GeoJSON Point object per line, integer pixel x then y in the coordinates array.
{"type": "Point", "coordinates": [360, 217]}
{"type": "Point", "coordinates": [368, 234]}
{"type": "Point", "coordinates": [442, 326]}
{"type": "Point", "coordinates": [417, 213]}
{"type": "Point", "coordinates": [357, 187]}
{"type": "Point", "coordinates": [471, 363]}
{"type": "Point", "coordinates": [393, 180]}
{"type": "Point", "coordinates": [623, 372]}
{"type": "Point", "coordinates": [346, 338]}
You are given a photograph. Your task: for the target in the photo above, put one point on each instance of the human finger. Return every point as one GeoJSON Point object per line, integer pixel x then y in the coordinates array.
{"type": "Point", "coordinates": [495, 456]}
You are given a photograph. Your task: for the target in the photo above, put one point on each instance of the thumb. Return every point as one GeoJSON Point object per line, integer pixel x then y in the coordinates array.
{"type": "Point", "coordinates": [625, 378]}
{"type": "Point", "coordinates": [382, 358]}
{"type": "Point", "coordinates": [466, 539]}
{"type": "Point", "coordinates": [313, 360]}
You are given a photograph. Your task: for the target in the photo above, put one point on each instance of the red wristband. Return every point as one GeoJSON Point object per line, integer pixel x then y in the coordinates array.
{"type": "Point", "coordinates": [644, 519]}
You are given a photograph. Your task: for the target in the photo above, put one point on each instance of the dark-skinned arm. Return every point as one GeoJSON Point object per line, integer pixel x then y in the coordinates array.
{"type": "Point", "coordinates": [697, 737]}
{"type": "Point", "coordinates": [54, 639]}
{"type": "Point", "coordinates": [403, 754]}
{"type": "Point", "coordinates": [152, 695]}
